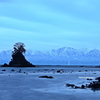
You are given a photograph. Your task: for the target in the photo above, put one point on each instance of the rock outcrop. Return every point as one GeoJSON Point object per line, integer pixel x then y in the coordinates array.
{"type": "Point", "coordinates": [18, 60]}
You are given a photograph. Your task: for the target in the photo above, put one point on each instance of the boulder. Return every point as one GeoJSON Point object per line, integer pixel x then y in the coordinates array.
{"type": "Point", "coordinates": [45, 76]}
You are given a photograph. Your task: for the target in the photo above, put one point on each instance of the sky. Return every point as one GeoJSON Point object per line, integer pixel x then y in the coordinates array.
{"type": "Point", "coordinates": [50, 24]}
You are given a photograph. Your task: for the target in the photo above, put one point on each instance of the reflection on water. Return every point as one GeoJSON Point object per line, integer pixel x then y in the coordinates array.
{"type": "Point", "coordinates": [95, 89]}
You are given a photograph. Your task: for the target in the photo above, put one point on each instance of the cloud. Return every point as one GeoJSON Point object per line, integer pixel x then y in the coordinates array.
{"type": "Point", "coordinates": [5, 1]}
{"type": "Point", "coordinates": [50, 23]}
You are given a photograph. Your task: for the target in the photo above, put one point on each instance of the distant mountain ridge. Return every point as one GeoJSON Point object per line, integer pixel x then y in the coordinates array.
{"type": "Point", "coordinates": [64, 55]}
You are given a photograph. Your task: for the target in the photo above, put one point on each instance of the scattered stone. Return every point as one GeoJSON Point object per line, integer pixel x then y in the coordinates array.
{"type": "Point", "coordinates": [89, 79]}
{"type": "Point", "coordinates": [70, 85]}
{"type": "Point", "coordinates": [58, 71]}
{"type": "Point", "coordinates": [77, 87]}
{"type": "Point", "coordinates": [95, 85]}
{"type": "Point", "coordinates": [3, 70]}
{"type": "Point", "coordinates": [46, 69]}
{"type": "Point", "coordinates": [81, 66]}
{"type": "Point", "coordinates": [46, 76]}
{"type": "Point", "coordinates": [82, 86]}
{"type": "Point", "coordinates": [19, 71]}
{"type": "Point", "coordinates": [12, 70]}
{"type": "Point", "coordinates": [24, 72]}
{"type": "Point", "coordinates": [98, 78]}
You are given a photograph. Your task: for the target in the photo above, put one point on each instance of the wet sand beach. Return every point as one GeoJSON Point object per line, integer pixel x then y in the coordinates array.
{"type": "Point", "coordinates": [26, 83]}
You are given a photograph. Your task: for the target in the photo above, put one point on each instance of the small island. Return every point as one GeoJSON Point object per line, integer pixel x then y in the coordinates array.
{"type": "Point", "coordinates": [18, 59]}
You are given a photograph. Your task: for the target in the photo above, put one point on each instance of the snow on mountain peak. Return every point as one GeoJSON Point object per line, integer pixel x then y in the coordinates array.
{"type": "Point", "coordinates": [62, 55]}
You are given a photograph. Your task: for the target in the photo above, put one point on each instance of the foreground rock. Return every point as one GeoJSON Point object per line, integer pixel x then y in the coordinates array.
{"type": "Point", "coordinates": [75, 87]}
{"type": "Point", "coordinates": [45, 76]}
{"type": "Point", "coordinates": [94, 85]}
{"type": "Point", "coordinates": [18, 60]}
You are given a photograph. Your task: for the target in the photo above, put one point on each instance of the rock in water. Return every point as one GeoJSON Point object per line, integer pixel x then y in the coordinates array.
{"type": "Point", "coordinates": [45, 76]}
{"type": "Point", "coordinates": [18, 60]}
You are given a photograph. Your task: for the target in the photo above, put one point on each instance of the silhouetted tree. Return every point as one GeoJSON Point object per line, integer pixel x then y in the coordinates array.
{"type": "Point", "coordinates": [19, 47]}
{"type": "Point", "coordinates": [18, 59]}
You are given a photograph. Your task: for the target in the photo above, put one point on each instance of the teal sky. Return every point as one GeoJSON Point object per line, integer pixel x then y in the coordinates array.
{"type": "Point", "coordinates": [50, 24]}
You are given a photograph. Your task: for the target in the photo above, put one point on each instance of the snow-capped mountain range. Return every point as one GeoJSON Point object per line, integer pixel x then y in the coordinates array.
{"type": "Point", "coordinates": [65, 56]}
